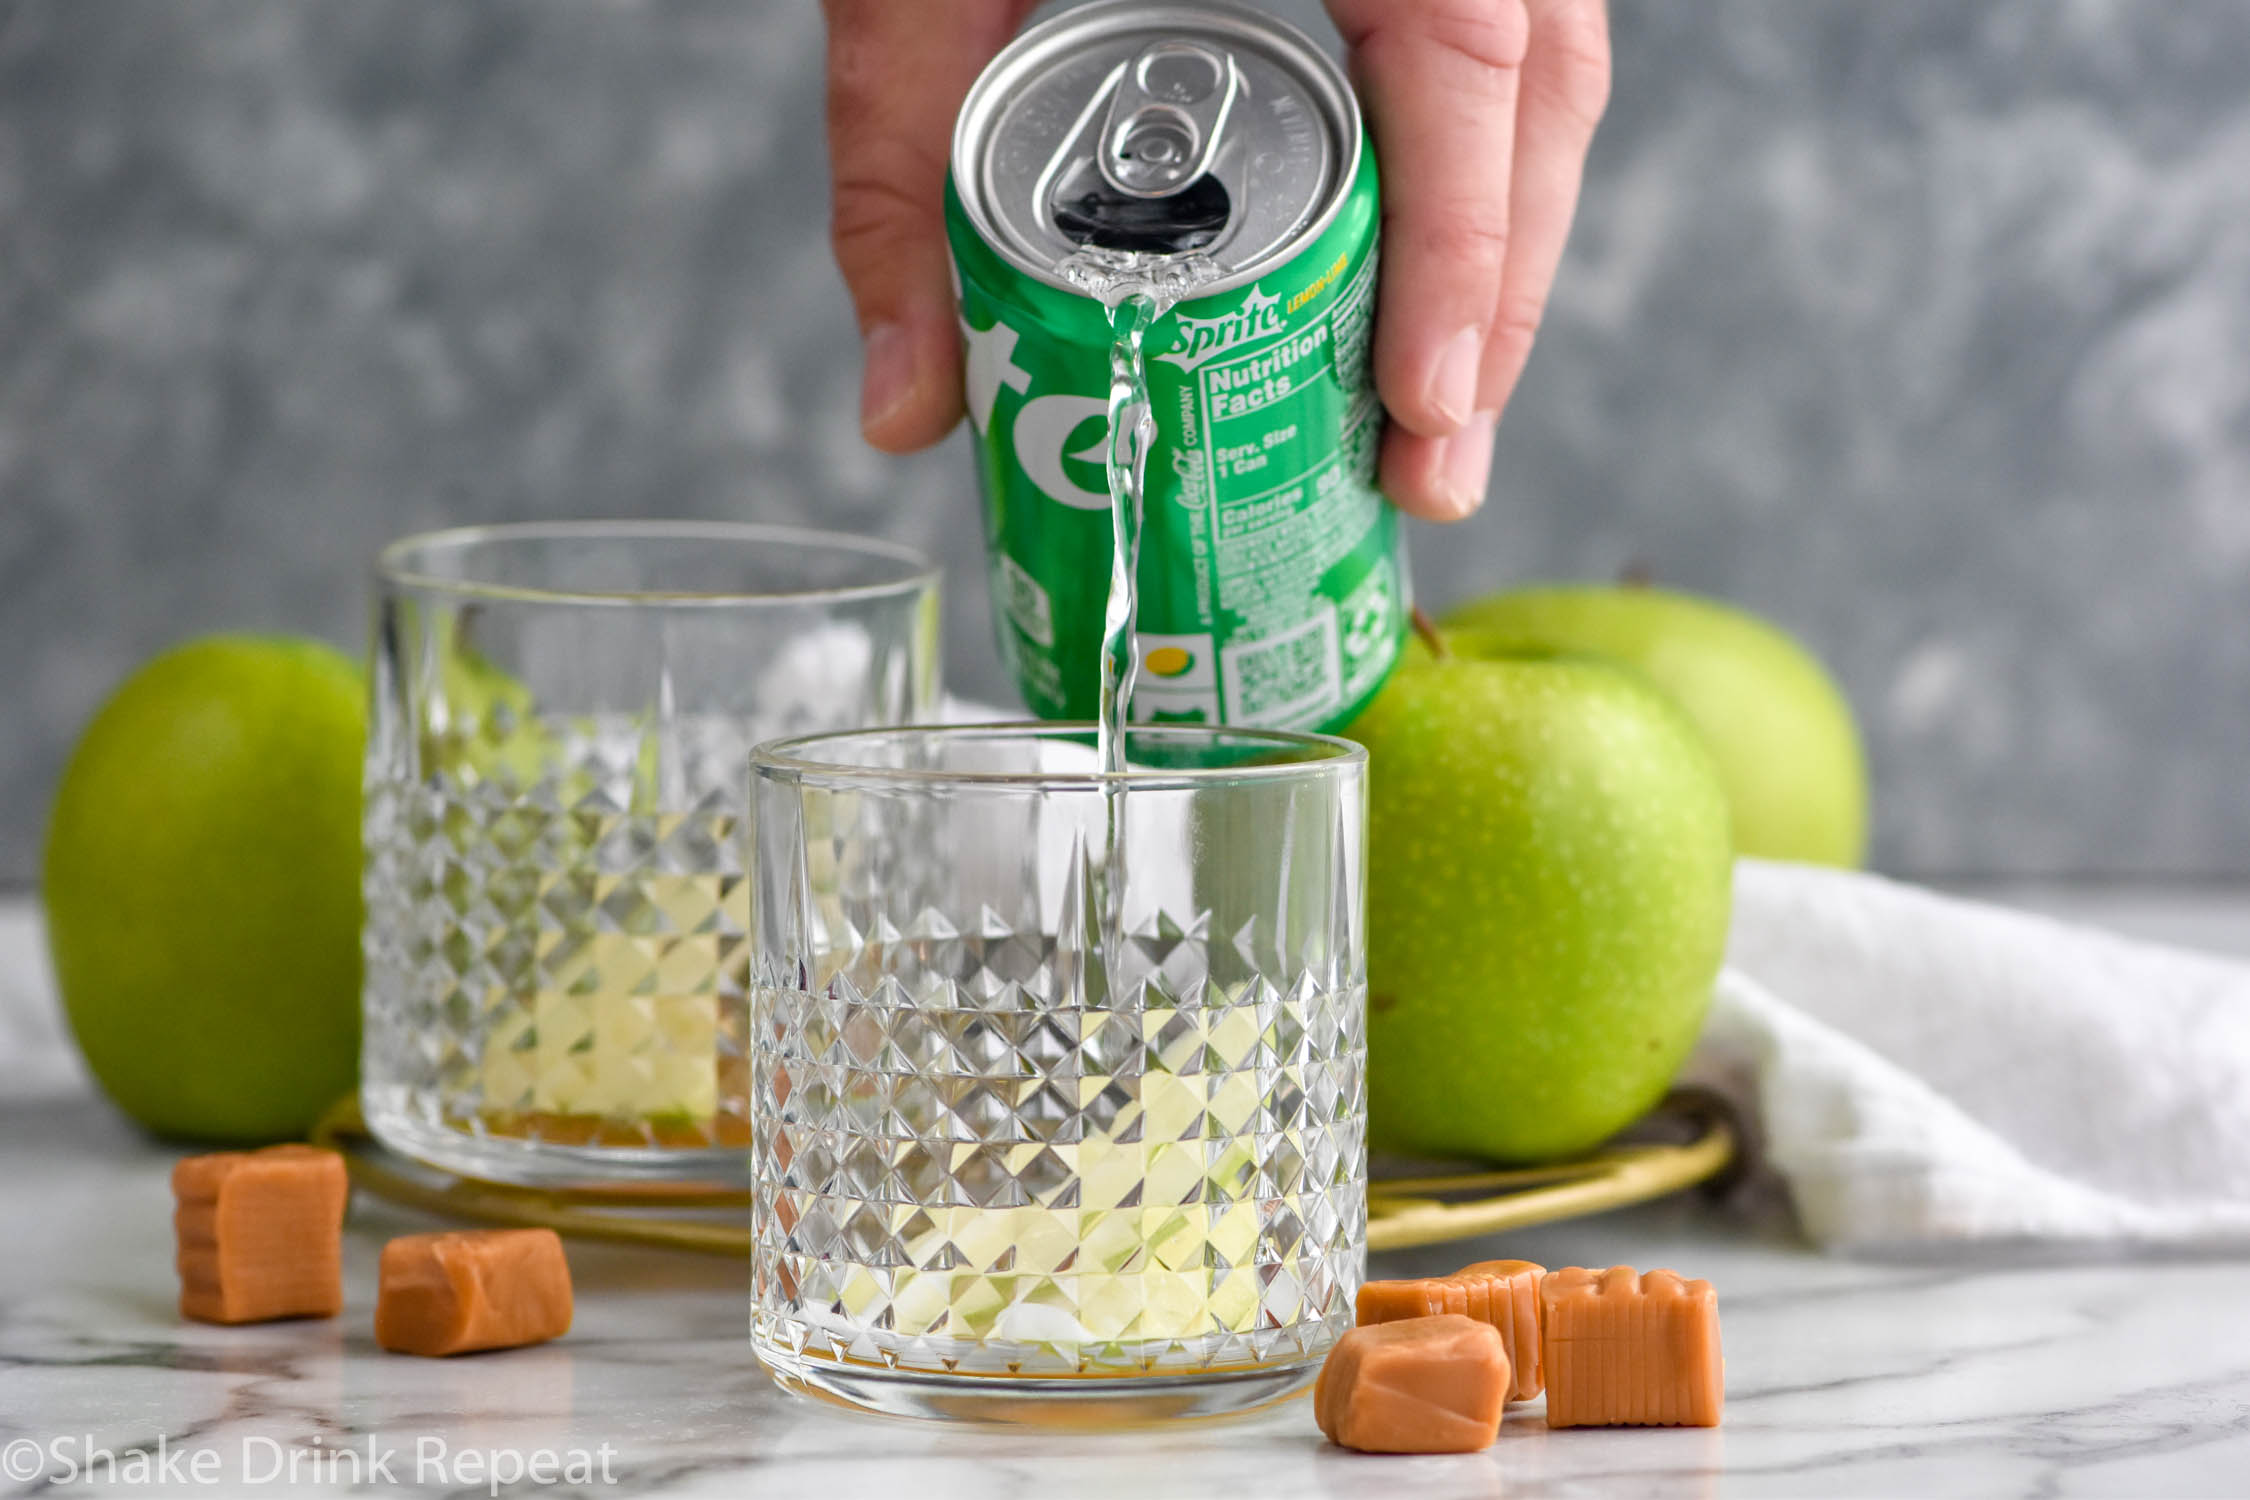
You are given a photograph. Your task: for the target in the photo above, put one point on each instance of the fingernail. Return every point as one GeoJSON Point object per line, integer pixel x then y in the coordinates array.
{"type": "Point", "coordinates": [888, 377]}
{"type": "Point", "coordinates": [1453, 380]}
{"type": "Point", "coordinates": [1467, 463]}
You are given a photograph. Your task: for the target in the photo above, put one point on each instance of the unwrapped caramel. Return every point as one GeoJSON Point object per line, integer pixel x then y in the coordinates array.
{"type": "Point", "coordinates": [1626, 1349]}
{"type": "Point", "coordinates": [1504, 1293]}
{"type": "Point", "coordinates": [1418, 1385]}
{"type": "Point", "coordinates": [456, 1292]}
{"type": "Point", "coordinates": [260, 1234]}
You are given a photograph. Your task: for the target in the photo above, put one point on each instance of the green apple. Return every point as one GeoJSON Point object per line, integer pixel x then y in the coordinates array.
{"type": "Point", "coordinates": [202, 889]}
{"type": "Point", "coordinates": [1781, 729]}
{"type": "Point", "coordinates": [1548, 891]}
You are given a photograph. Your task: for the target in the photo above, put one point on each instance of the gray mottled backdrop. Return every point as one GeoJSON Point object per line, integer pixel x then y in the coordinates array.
{"type": "Point", "coordinates": [1922, 326]}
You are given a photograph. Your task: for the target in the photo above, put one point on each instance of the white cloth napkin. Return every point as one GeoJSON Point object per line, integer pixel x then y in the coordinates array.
{"type": "Point", "coordinates": [1927, 1071]}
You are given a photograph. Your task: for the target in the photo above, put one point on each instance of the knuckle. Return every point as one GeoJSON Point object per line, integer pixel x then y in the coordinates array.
{"type": "Point", "coordinates": [1517, 323]}
{"type": "Point", "coordinates": [855, 69]}
{"type": "Point", "coordinates": [1488, 36]}
{"type": "Point", "coordinates": [873, 209]}
{"type": "Point", "coordinates": [1492, 34]}
{"type": "Point", "coordinates": [1460, 236]}
{"type": "Point", "coordinates": [1575, 42]}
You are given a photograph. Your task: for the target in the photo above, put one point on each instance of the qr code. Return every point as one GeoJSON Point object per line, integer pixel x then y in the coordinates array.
{"type": "Point", "coordinates": [1284, 679]}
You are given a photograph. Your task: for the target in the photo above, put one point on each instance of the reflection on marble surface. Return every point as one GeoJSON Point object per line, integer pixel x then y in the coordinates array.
{"type": "Point", "coordinates": [1842, 1378]}
{"type": "Point", "coordinates": [1921, 326]}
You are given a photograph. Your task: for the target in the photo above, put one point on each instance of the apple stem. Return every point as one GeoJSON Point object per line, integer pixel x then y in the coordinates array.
{"type": "Point", "coordinates": [1637, 575]}
{"type": "Point", "coordinates": [1426, 628]}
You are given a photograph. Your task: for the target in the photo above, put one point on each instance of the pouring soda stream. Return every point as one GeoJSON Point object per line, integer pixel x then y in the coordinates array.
{"type": "Point", "coordinates": [1163, 223]}
{"type": "Point", "coordinates": [1202, 185]}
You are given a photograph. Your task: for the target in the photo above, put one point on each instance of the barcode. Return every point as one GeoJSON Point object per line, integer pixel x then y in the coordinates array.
{"type": "Point", "coordinates": [1284, 679]}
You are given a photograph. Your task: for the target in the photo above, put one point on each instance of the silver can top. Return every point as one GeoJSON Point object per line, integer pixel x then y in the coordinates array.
{"type": "Point", "coordinates": [1126, 125]}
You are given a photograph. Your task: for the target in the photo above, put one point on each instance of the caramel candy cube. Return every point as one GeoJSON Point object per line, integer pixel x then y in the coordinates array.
{"type": "Point", "coordinates": [1627, 1350]}
{"type": "Point", "coordinates": [455, 1292]}
{"type": "Point", "coordinates": [1504, 1293]}
{"type": "Point", "coordinates": [260, 1234]}
{"type": "Point", "coordinates": [1418, 1385]}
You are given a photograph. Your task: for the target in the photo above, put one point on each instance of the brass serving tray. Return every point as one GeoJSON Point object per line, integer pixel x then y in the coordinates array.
{"type": "Point", "coordinates": [1402, 1211]}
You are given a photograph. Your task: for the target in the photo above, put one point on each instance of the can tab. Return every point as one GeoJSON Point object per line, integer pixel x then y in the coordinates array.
{"type": "Point", "coordinates": [1166, 118]}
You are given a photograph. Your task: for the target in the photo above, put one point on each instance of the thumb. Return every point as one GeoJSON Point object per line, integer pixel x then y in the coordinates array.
{"type": "Point", "coordinates": [895, 82]}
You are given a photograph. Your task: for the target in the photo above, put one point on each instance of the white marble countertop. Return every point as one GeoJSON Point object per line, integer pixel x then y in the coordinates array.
{"type": "Point", "coordinates": [1844, 1378]}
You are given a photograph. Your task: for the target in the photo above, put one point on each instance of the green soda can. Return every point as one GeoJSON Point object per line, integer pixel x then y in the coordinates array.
{"type": "Point", "coordinates": [1219, 154]}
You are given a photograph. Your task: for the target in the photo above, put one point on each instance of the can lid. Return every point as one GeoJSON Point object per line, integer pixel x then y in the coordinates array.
{"type": "Point", "coordinates": [1157, 128]}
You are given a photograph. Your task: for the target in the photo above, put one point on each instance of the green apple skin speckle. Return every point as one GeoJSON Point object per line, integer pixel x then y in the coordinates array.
{"type": "Point", "coordinates": [1782, 731]}
{"type": "Point", "coordinates": [1549, 885]}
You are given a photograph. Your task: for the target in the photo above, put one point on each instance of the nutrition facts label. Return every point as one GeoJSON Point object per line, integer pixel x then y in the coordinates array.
{"type": "Point", "coordinates": [1288, 436]}
{"type": "Point", "coordinates": [1271, 584]}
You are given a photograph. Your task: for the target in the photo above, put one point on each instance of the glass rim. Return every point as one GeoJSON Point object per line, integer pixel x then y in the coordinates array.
{"type": "Point", "coordinates": [788, 758]}
{"type": "Point", "coordinates": [392, 569]}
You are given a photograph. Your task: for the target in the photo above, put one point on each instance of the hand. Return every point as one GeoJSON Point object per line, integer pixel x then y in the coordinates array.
{"type": "Point", "coordinates": [897, 73]}
{"type": "Point", "coordinates": [1482, 111]}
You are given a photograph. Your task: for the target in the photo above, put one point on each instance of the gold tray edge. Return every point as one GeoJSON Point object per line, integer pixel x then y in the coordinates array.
{"type": "Point", "coordinates": [1614, 1179]}
{"type": "Point", "coordinates": [1399, 1216]}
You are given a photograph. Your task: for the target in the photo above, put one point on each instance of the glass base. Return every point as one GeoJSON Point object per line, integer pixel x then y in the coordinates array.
{"type": "Point", "coordinates": [1063, 1402]}
{"type": "Point", "coordinates": [553, 1164]}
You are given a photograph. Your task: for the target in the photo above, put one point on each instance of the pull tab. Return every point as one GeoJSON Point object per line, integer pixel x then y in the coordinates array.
{"type": "Point", "coordinates": [1166, 118]}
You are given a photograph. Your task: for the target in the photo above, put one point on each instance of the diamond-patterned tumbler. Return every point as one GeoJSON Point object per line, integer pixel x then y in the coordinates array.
{"type": "Point", "coordinates": [557, 927]}
{"type": "Point", "coordinates": [1057, 1092]}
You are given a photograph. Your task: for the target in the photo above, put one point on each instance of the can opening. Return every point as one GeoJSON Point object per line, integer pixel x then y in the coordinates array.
{"type": "Point", "coordinates": [1202, 132]}
{"type": "Point", "coordinates": [1146, 180]}
{"type": "Point", "coordinates": [1090, 212]}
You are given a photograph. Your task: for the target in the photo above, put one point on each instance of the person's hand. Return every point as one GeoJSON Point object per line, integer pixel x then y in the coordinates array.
{"type": "Point", "coordinates": [897, 73]}
{"type": "Point", "coordinates": [1482, 111]}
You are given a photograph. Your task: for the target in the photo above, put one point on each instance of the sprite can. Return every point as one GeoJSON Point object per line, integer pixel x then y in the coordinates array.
{"type": "Point", "coordinates": [1205, 137]}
